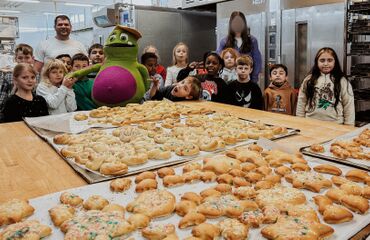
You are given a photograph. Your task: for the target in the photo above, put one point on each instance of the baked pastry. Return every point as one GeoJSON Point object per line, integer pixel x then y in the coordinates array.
{"type": "Point", "coordinates": [354, 203]}
{"type": "Point", "coordinates": [247, 166]}
{"type": "Point", "coordinates": [263, 185]}
{"type": "Point", "coordinates": [139, 220]}
{"type": "Point", "coordinates": [158, 231]}
{"type": "Point", "coordinates": [120, 184]}
{"type": "Point", "coordinates": [329, 169]}
{"type": "Point", "coordinates": [113, 168]}
{"type": "Point", "coordinates": [223, 188]}
{"type": "Point", "coordinates": [95, 202]}
{"type": "Point", "coordinates": [283, 170]}
{"type": "Point", "coordinates": [332, 213]}
{"type": "Point", "coordinates": [14, 211]}
{"type": "Point", "coordinates": [245, 192]}
{"type": "Point", "coordinates": [206, 231]}
{"type": "Point", "coordinates": [339, 180]}
{"type": "Point", "coordinates": [254, 177]}
{"type": "Point", "coordinates": [357, 175]}
{"type": "Point", "coordinates": [98, 224]}
{"type": "Point", "coordinates": [166, 171]}
{"type": "Point", "coordinates": [264, 170]}
{"type": "Point", "coordinates": [253, 218]}
{"type": "Point", "coordinates": [208, 176]}
{"type": "Point", "coordinates": [184, 207]}
{"type": "Point", "coordinates": [61, 213]}
{"type": "Point", "coordinates": [225, 178]}
{"type": "Point", "coordinates": [298, 167]}
{"type": "Point", "coordinates": [340, 152]}
{"type": "Point", "coordinates": [173, 180]}
{"type": "Point", "coordinates": [70, 199]}
{"type": "Point", "coordinates": [280, 197]}
{"type": "Point", "coordinates": [239, 182]}
{"type": "Point", "coordinates": [308, 180]}
{"type": "Point", "coordinates": [210, 192]}
{"type": "Point", "coordinates": [288, 227]}
{"type": "Point", "coordinates": [191, 196]}
{"type": "Point", "coordinates": [236, 173]}
{"type": "Point", "coordinates": [352, 188]}
{"type": "Point", "coordinates": [192, 218]}
{"type": "Point", "coordinates": [145, 185]}
{"type": "Point", "coordinates": [145, 175]}
{"type": "Point", "coordinates": [80, 117]}
{"type": "Point", "coordinates": [112, 207]}
{"type": "Point", "coordinates": [244, 155]}
{"type": "Point", "coordinates": [318, 148]}
{"type": "Point", "coordinates": [191, 166]}
{"type": "Point", "coordinates": [271, 214]}
{"type": "Point", "coordinates": [29, 229]}
{"type": "Point", "coordinates": [192, 176]}
{"type": "Point", "coordinates": [188, 149]}
{"type": "Point", "coordinates": [153, 203]}
{"type": "Point", "coordinates": [232, 229]}
{"type": "Point", "coordinates": [216, 206]}
{"type": "Point", "coordinates": [303, 210]}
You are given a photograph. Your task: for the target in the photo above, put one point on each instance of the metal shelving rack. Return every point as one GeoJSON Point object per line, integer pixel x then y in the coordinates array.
{"type": "Point", "coordinates": [357, 55]}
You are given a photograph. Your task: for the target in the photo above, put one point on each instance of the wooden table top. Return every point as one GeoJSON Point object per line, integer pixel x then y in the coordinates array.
{"type": "Point", "coordinates": [30, 168]}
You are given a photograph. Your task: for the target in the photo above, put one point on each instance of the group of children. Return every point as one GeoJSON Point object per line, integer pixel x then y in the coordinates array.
{"type": "Point", "coordinates": [324, 94]}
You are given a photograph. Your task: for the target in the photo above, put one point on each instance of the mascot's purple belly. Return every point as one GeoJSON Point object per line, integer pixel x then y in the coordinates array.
{"type": "Point", "coordinates": [114, 85]}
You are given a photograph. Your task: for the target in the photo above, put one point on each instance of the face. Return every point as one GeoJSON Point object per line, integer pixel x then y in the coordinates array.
{"type": "Point", "coordinates": [180, 53]}
{"type": "Point", "coordinates": [63, 27]}
{"type": "Point", "coordinates": [78, 65]}
{"type": "Point", "coordinates": [237, 25]}
{"type": "Point", "coordinates": [278, 76]}
{"type": "Point", "coordinates": [56, 76]}
{"type": "Point", "coordinates": [67, 62]}
{"type": "Point", "coordinates": [243, 71]}
{"type": "Point", "coordinates": [25, 81]}
{"type": "Point", "coordinates": [326, 63]}
{"type": "Point", "coordinates": [96, 55]}
{"type": "Point", "coordinates": [24, 58]}
{"type": "Point", "coordinates": [229, 60]}
{"type": "Point", "coordinates": [182, 89]}
{"type": "Point", "coordinates": [212, 65]}
{"type": "Point", "coordinates": [151, 65]}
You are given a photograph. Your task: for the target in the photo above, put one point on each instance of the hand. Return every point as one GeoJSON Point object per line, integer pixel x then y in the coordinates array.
{"type": "Point", "coordinates": [193, 65]}
{"type": "Point", "coordinates": [155, 81]}
{"type": "Point", "coordinates": [69, 82]}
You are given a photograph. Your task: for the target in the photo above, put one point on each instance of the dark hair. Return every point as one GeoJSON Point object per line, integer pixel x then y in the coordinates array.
{"type": "Point", "coordinates": [246, 46]}
{"type": "Point", "coordinates": [336, 74]}
{"type": "Point", "coordinates": [147, 56]}
{"type": "Point", "coordinates": [95, 45]}
{"type": "Point", "coordinates": [276, 66]}
{"type": "Point", "coordinates": [62, 17]}
{"type": "Point", "coordinates": [62, 56]}
{"type": "Point", "coordinates": [215, 54]}
{"type": "Point", "coordinates": [24, 48]}
{"type": "Point", "coordinates": [80, 57]}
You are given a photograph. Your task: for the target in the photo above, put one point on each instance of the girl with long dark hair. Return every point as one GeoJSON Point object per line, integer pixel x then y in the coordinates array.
{"type": "Point", "coordinates": [325, 93]}
{"type": "Point", "coordinates": [240, 39]}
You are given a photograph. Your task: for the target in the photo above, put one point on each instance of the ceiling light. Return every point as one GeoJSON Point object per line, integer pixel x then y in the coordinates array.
{"type": "Point", "coordinates": [79, 4]}
{"type": "Point", "coordinates": [25, 1]}
{"type": "Point", "coordinates": [8, 11]}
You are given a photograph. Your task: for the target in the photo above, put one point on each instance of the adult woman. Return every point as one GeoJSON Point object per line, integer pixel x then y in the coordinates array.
{"type": "Point", "coordinates": [240, 39]}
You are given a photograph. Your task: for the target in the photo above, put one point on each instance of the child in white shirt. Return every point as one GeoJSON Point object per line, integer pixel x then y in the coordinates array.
{"type": "Point", "coordinates": [228, 74]}
{"type": "Point", "coordinates": [56, 89]}
{"type": "Point", "coordinates": [180, 61]}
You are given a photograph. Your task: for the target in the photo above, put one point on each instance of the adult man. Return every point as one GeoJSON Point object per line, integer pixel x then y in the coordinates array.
{"type": "Point", "coordinates": [60, 44]}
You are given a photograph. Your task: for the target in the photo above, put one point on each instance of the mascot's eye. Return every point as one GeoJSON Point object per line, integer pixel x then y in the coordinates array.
{"type": "Point", "coordinates": [123, 37]}
{"type": "Point", "coordinates": [112, 38]}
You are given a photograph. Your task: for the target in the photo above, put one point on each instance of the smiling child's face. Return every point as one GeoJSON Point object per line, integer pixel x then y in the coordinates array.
{"type": "Point", "coordinates": [183, 89]}
{"type": "Point", "coordinates": [212, 65]}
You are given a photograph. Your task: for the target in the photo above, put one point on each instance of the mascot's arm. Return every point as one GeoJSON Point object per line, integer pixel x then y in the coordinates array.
{"type": "Point", "coordinates": [83, 72]}
{"type": "Point", "coordinates": [145, 75]}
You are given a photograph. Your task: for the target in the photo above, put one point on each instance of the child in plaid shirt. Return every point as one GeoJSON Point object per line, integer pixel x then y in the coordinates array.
{"type": "Point", "coordinates": [23, 54]}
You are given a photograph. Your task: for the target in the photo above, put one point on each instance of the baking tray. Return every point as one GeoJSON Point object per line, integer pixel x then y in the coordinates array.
{"type": "Point", "coordinates": [328, 156]}
{"type": "Point", "coordinates": [94, 176]}
{"type": "Point", "coordinates": [44, 203]}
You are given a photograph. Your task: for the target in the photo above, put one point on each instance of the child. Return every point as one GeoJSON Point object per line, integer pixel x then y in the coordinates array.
{"type": "Point", "coordinates": [149, 60]}
{"type": "Point", "coordinates": [67, 60]}
{"type": "Point", "coordinates": [180, 61]}
{"type": "Point", "coordinates": [24, 103]}
{"type": "Point", "coordinates": [325, 93]}
{"type": "Point", "coordinates": [214, 88]}
{"type": "Point", "coordinates": [187, 89]}
{"type": "Point", "coordinates": [96, 53]}
{"type": "Point", "coordinates": [160, 69]}
{"type": "Point", "coordinates": [229, 55]}
{"type": "Point", "coordinates": [245, 92]}
{"type": "Point", "coordinates": [280, 97]}
{"type": "Point", "coordinates": [56, 89]}
{"type": "Point", "coordinates": [23, 54]}
{"type": "Point", "coordinates": [82, 87]}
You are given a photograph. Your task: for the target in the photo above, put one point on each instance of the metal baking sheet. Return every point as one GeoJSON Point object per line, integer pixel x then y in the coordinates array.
{"type": "Point", "coordinates": [44, 203]}
{"type": "Point", "coordinates": [327, 155]}
{"type": "Point", "coordinates": [94, 176]}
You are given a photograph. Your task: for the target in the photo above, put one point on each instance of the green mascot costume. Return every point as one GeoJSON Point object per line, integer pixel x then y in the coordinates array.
{"type": "Point", "coordinates": [120, 79]}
